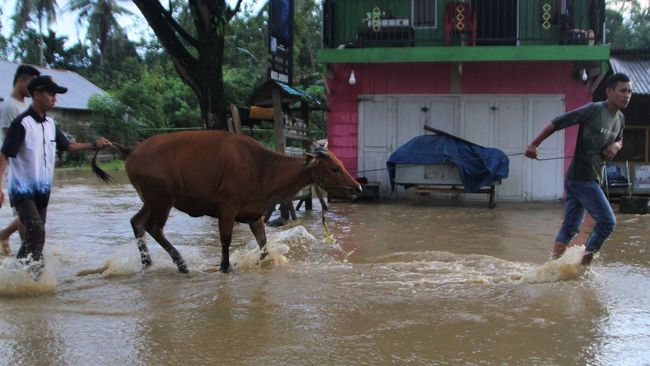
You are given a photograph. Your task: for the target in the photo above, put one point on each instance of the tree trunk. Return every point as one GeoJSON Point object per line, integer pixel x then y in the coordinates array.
{"type": "Point", "coordinates": [203, 72]}
{"type": "Point", "coordinates": [211, 94]}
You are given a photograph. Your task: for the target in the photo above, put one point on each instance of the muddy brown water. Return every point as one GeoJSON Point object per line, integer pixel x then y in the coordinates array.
{"type": "Point", "coordinates": [439, 284]}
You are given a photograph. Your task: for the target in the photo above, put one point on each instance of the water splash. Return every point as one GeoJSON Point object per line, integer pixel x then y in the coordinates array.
{"type": "Point", "coordinates": [16, 278]}
{"type": "Point", "coordinates": [564, 268]}
{"type": "Point", "coordinates": [277, 246]}
{"type": "Point", "coordinates": [435, 268]}
{"type": "Point", "coordinates": [123, 262]}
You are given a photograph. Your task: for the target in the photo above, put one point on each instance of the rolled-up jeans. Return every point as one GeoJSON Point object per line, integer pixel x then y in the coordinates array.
{"type": "Point", "coordinates": [584, 196]}
{"type": "Point", "coordinates": [33, 220]}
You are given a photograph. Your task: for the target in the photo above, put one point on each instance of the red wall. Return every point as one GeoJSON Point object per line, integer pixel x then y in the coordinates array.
{"type": "Point", "coordinates": [436, 78]}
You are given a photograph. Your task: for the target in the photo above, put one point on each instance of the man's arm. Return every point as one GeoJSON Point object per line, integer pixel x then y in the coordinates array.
{"type": "Point", "coordinates": [531, 150]}
{"type": "Point", "coordinates": [100, 143]}
{"type": "Point", "coordinates": [610, 151]}
{"type": "Point", "coordinates": [63, 144]}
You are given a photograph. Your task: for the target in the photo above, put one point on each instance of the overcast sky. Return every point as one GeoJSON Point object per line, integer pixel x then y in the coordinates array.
{"type": "Point", "coordinates": [66, 23]}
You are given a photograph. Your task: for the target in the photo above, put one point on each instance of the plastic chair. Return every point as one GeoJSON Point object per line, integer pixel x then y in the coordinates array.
{"type": "Point", "coordinates": [614, 178]}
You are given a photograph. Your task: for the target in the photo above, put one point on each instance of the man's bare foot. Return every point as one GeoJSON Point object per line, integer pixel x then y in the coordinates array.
{"type": "Point", "coordinates": [586, 259]}
{"type": "Point", "coordinates": [4, 247]}
{"type": "Point", "coordinates": [558, 250]}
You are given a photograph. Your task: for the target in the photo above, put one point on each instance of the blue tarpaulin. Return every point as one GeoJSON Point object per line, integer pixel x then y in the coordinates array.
{"type": "Point", "coordinates": [478, 166]}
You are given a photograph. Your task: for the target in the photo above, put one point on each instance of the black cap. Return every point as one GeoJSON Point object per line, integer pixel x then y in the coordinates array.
{"type": "Point", "coordinates": [45, 82]}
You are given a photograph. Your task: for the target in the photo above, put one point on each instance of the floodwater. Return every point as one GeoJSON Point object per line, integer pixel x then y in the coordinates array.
{"type": "Point", "coordinates": [444, 283]}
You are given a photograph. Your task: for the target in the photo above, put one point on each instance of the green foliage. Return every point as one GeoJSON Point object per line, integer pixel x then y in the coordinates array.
{"type": "Point", "coordinates": [100, 17]}
{"type": "Point", "coordinates": [4, 45]}
{"type": "Point", "coordinates": [307, 39]}
{"type": "Point", "coordinates": [145, 93]}
{"type": "Point", "coordinates": [246, 60]}
{"type": "Point", "coordinates": [154, 102]}
{"type": "Point", "coordinates": [113, 120]}
{"type": "Point", "coordinates": [147, 104]}
{"type": "Point", "coordinates": [628, 25]}
{"type": "Point", "coordinates": [120, 64]}
{"type": "Point", "coordinates": [317, 123]}
{"type": "Point", "coordinates": [41, 12]}
{"type": "Point", "coordinates": [245, 57]}
{"type": "Point", "coordinates": [25, 47]}
{"type": "Point", "coordinates": [30, 11]}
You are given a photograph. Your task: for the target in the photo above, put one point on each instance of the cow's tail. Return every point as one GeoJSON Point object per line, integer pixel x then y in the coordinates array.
{"type": "Point", "coordinates": [99, 172]}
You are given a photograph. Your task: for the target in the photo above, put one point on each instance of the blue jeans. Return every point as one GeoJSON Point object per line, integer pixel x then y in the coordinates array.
{"type": "Point", "coordinates": [586, 196]}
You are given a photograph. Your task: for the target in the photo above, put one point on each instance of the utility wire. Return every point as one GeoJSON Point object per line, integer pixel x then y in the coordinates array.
{"type": "Point", "coordinates": [457, 160]}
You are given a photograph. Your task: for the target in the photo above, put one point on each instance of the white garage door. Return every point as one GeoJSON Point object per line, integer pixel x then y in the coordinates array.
{"type": "Point", "coordinates": [505, 122]}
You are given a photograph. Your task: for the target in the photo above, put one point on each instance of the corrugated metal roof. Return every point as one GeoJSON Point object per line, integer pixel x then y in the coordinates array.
{"type": "Point", "coordinates": [79, 89]}
{"type": "Point", "coordinates": [637, 67]}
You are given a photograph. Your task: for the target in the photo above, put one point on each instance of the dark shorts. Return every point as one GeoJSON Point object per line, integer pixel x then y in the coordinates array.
{"type": "Point", "coordinates": [33, 220]}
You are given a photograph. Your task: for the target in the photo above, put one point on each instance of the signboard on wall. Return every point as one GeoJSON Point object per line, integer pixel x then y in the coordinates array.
{"type": "Point", "coordinates": [641, 178]}
{"type": "Point", "coordinates": [281, 40]}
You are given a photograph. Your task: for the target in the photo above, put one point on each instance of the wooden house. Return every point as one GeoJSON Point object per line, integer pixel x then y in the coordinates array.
{"type": "Point", "coordinates": [494, 72]}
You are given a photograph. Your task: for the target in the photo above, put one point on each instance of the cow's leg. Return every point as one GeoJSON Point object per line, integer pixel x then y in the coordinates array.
{"type": "Point", "coordinates": [155, 226]}
{"type": "Point", "coordinates": [138, 224]}
{"type": "Point", "coordinates": [257, 228]}
{"type": "Point", "coordinates": [226, 223]}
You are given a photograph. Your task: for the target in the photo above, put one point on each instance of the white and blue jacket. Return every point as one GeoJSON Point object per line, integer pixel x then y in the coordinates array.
{"type": "Point", "coordinates": [31, 146]}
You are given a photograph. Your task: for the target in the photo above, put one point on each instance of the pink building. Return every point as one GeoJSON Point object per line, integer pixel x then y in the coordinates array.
{"type": "Point", "coordinates": [498, 95]}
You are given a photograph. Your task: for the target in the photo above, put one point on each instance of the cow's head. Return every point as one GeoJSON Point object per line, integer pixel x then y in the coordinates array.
{"type": "Point", "coordinates": [328, 172]}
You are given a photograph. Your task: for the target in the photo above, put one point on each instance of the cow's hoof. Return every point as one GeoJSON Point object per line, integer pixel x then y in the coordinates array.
{"type": "Point", "coordinates": [263, 255]}
{"type": "Point", "coordinates": [182, 267]}
{"type": "Point", "coordinates": [224, 269]}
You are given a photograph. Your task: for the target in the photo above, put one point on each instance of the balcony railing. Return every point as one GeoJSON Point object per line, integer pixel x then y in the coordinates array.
{"type": "Point", "coordinates": [413, 23]}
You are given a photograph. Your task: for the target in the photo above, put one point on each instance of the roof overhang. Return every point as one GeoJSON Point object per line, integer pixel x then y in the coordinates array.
{"type": "Point", "coordinates": [263, 96]}
{"type": "Point", "coordinates": [637, 67]}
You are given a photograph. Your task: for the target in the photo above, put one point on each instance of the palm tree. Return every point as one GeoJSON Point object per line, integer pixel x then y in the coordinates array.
{"type": "Point", "coordinates": [100, 15]}
{"type": "Point", "coordinates": [43, 10]}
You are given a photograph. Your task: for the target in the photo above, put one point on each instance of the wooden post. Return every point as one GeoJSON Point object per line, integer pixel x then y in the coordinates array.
{"type": "Point", "coordinates": [278, 121]}
{"type": "Point", "coordinates": [280, 144]}
{"type": "Point", "coordinates": [304, 111]}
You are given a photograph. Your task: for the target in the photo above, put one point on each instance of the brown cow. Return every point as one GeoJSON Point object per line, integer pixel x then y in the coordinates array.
{"type": "Point", "coordinates": [228, 176]}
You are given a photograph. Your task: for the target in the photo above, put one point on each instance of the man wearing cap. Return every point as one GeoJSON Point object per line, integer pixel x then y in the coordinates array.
{"type": "Point", "coordinates": [30, 150]}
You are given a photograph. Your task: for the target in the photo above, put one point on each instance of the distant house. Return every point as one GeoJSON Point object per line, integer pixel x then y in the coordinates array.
{"type": "Point", "coordinates": [71, 111]}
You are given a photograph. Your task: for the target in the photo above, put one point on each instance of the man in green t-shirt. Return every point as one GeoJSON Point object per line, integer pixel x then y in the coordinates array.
{"type": "Point", "coordinates": [600, 137]}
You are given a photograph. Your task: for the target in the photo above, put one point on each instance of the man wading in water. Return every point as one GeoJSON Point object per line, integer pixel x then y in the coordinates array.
{"type": "Point", "coordinates": [600, 137]}
{"type": "Point", "coordinates": [31, 146]}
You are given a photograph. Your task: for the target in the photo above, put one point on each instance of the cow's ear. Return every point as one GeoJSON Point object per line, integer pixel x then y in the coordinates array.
{"type": "Point", "coordinates": [310, 160]}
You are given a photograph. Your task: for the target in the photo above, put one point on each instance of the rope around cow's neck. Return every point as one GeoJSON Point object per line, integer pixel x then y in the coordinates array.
{"type": "Point", "coordinates": [329, 238]}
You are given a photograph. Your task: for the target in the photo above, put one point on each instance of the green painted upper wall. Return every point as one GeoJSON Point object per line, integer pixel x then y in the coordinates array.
{"type": "Point", "coordinates": [499, 22]}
